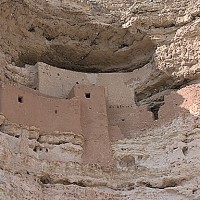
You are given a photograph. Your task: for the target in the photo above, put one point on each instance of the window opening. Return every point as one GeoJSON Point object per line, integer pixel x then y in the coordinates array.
{"type": "Point", "coordinates": [87, 95]}
{"type": "Point", "coordinates": [20, 99]}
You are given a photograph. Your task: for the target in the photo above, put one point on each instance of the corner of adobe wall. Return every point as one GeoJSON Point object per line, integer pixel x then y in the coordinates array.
{"type": "Point", "coordinates": [115, 133]}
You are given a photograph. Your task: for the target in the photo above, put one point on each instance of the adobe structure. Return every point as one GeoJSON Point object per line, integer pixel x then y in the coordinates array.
{"type": "Point", "coordinates": [86, 108]}
{"type": "Point", "coordinates": [99, 100]}
{"type": "Point", "coordinates": [84, 113]}
{"type": "Point", "coordinates": [122, 110]}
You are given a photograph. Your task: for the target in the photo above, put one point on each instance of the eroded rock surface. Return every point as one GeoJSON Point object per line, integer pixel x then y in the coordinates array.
{"type": "Point", "coordinates": [157, 44]}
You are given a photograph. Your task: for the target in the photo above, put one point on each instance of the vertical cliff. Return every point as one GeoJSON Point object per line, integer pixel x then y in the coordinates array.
{"type": "Point", "coordinates": [145, 57]}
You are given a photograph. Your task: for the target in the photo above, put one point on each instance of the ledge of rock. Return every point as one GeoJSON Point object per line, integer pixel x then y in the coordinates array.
{"type": "Point", "coordinates": [99, 99]}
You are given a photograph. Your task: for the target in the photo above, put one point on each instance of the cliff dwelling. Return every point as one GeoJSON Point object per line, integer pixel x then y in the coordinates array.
{"type": "Point", "coordinates": [99, 100]}
{"type": "Point", "coordinates": [92, 108]}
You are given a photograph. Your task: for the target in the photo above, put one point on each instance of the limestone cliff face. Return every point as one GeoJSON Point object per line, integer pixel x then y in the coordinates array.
{"type": "Point", "coordinates": [157, 44]}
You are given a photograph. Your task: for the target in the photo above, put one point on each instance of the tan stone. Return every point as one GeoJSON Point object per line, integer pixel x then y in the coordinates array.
{"type": "Point", "coordinates": [2, 119]}
{"type": "Point", "coordinates": [137, 137]}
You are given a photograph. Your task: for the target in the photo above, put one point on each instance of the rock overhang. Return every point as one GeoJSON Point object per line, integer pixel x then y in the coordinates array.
{"type": "Point", "coordinates": [70, 39]}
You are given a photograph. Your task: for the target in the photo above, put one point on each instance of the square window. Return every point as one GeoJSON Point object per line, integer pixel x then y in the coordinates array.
{"type": "Point", "coordinates": [87, 95]}
{"type": "Point", "coordinates": [20, 99]}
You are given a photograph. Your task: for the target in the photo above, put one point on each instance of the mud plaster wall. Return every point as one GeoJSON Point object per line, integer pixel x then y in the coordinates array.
{"type": "Point", "coordinates": [173, 107]}
{"type": "Point", "coordinates": [119, 89]}
{"type": "Point", "coordinates": [24, 106]}
{"type": "Point", "coordinates": [130, 118]}
{"type": "Point", "coordinates": [135, 120]}
{"type": "Point", "coordinates": [94, 123]}
{"type": "Point", "coordinates": [119, 86]}
{"type": "Point", "coordinates": [86, 113]}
